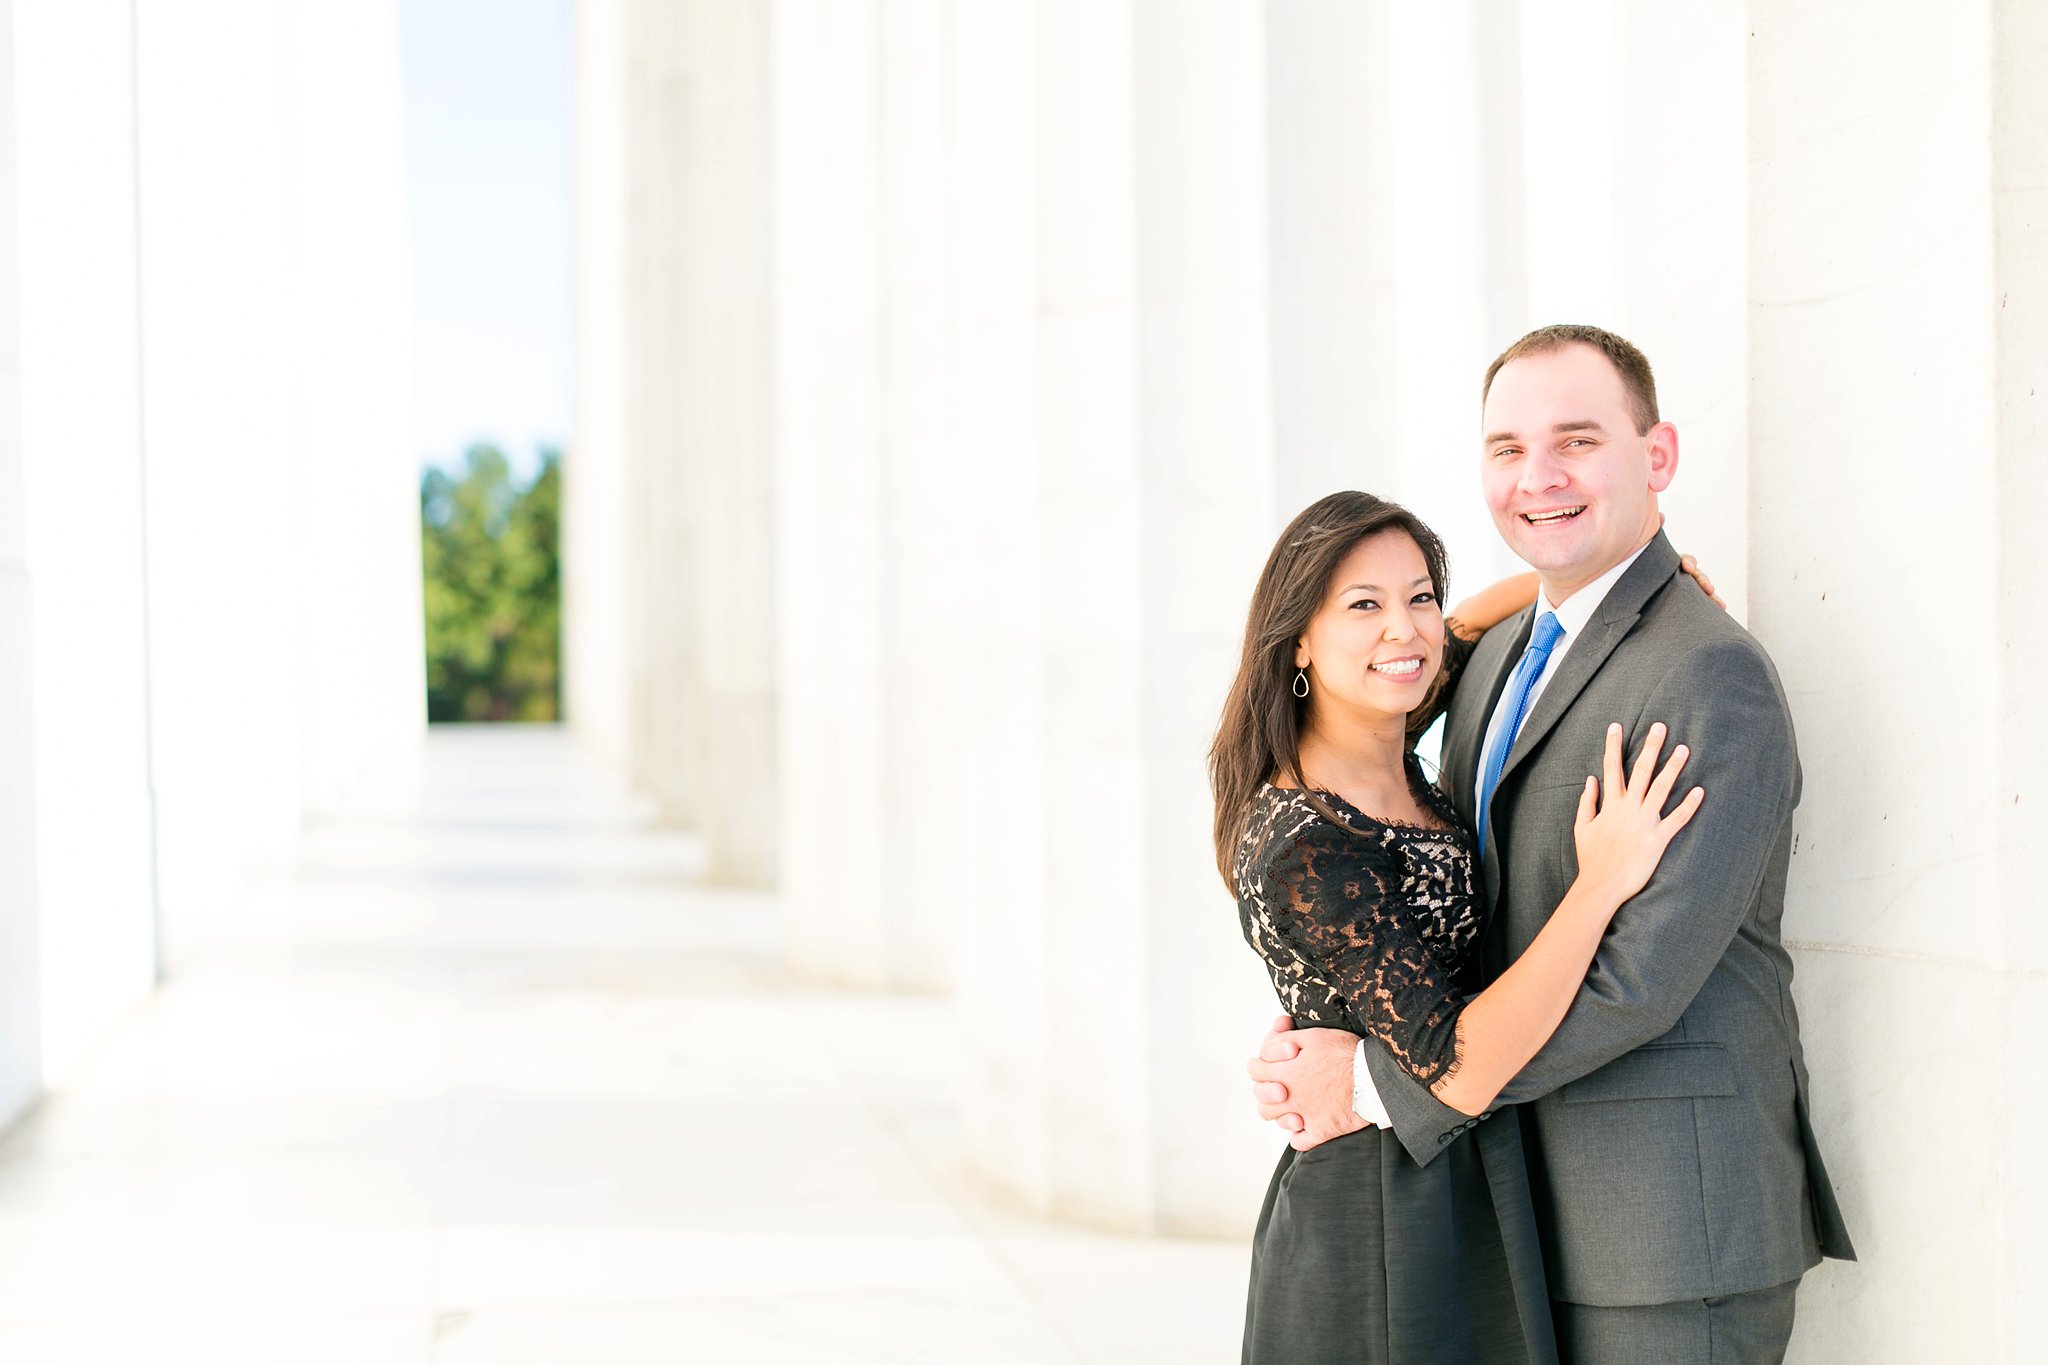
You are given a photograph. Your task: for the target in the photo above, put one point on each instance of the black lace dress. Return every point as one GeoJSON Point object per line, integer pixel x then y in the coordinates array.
{"type": "Point", "coordinates": [1361, 1255]}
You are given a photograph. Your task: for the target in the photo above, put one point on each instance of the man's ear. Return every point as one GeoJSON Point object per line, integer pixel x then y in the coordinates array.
{"type": "Point", "coordinates": [1663, 440]}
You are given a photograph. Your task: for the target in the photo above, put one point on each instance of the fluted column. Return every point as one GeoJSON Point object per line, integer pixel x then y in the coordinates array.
{"type": "Point", "coordinates": [1208, 479]}
{"type": "Point", "coordinates": [668, 698]}
{"type": "Point", "coordinates": [1329, 148]}
{"type": "Point", "coordinates": [1678, 255]}
{"type": "Point", "coordinates": [2019, 730]}
{"type": "Point", "coordinates": [726, 448]}
{"type": "Point", "coordinates": [20, 986]}
{"type": "Point", "coordinates": [1097, 1105]}
{"type": "Point", "coordinates": [933, 556]}
{"type": "Point", "coordinates": [830, 562]}
{"type": "Point", "coordinates": [1882, 264]}
{"type": "Point", "coordinates": [80, 408]}
{"type": "Point", "coordinates": [602, 565]}
{"type": "Point", "coordinates": [1004, 983]}
{"type": "Point", "coordinates": [1110, 994]}
{"type": "Point", "coordinates": [669, 614]}
{"type": "Point", "coordinates": [1462, 284]}
{"type": "Point", "coordinates": [274, 410]}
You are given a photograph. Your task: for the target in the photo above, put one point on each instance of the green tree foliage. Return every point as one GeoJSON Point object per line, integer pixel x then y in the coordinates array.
{"type": "Point", "coordinates": [491, 556]}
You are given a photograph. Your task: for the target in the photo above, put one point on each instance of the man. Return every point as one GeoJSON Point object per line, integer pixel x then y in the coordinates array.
{"type": "Point", "coordinates": [1677, 1179]}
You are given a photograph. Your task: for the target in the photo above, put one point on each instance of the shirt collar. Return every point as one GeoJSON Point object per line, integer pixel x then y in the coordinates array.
{"type": "Point", "coordinates": [1578, 609]}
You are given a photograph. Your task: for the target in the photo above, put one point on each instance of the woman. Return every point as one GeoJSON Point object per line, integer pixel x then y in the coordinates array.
{"type": "Point", "coordinates": [1354, 882]}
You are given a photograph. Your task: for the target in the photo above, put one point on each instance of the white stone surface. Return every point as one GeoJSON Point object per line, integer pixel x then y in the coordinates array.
{"type": "Point", "coordinates": [81, 429]}
{"type": "Point", "coordinates": [831, 564]}
{"type": "Point", "coordinates": [1876, 353]}
{"type": "Point", "coordinates": [1680, 260]}
{"type": "Point", "coordinates": [1460, 256]}
{"type": "Point", "coordinates": [498, 1123]}
{"type": "Point", "coordinates": [1336, 387]}
{"type": "Point", "coordinates": [728, 454]}
{"type": "Point", "coordinates": [1005, 949]}
{"type": "Point", "coordinates": [20, 973]}
{"type": "Point", "coordinates": [669, 560]}
{"type": "Point", "coordinates": [275, 421]}
{"type": "Point", "coordinates": [361, 687]}
{"type": "Point", "coordinates": [599, 582]}
{"type": "Point", "coordinates": [929, 630]}
{"type": "Point", "coordinates": [2019, 180]}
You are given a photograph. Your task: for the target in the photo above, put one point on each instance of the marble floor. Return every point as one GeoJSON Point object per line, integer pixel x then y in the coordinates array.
{"type": "Point", "coordinates": [488, 1077]}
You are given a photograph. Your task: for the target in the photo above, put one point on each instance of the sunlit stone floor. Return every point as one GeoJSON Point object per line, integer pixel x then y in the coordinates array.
{"type": "Point", "coordinates": [488, 1078]}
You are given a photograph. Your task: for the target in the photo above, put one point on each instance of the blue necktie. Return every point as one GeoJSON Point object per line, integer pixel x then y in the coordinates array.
{"type": "Point", "coordinates": [1541, 641]}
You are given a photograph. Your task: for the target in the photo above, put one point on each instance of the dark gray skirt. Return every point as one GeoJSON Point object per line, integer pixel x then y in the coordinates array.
{"type": "Point", "coordinates": [1362, 1256]}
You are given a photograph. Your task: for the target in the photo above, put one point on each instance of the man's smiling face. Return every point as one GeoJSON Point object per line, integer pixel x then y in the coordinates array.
{"type": "Point", "coordinates": [1571, 483]}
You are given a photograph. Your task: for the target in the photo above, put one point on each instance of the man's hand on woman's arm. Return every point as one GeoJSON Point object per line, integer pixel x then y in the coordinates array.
{"type": "Point", "coordinates": [1302, 1079]}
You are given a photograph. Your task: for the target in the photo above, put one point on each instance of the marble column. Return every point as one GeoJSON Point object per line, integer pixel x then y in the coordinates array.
{"type": "Point", "coordinates": [1330, 173]}
{"type": "Point", "coordinates": [727, 448]}
{"type": "Point", "coordinates": [600, 568]}
{"type": "Point", "coordinates": [1108, 995]}
{"type": "Point", "coordinates": [2018, 729]}
{"type": "Point", "coordinates": [667, 754]}
{"type": "Point", "coordinates": [1096, 1101]}
{"type": "Point", "coordinates": [20, 975]}
{"type": "Point", "coordinates": [225, 486]}
{"type": "Point", "coordinates": [361, 690]}
{"type": "Point", "coordinates": [927, 534]}
{"type": "Point", "coordinates": [1003, 979]}
{"type": "Point", "coordinates": [830, 562]}
{"type": "Point", "coordinates": [669, 570]}
{"type": "Point", "coordinates": [1461, 252]}
{"type": "Point", "coordinates": [1678, 253]}
{"type": "Point", "coordinates": [80, 410]}
{"type": "Point", "coordinates": [1207, 477]}
{"type": "Point", "coordinates": [1888, 429]}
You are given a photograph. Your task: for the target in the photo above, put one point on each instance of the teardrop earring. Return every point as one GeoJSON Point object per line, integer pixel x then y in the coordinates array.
{"type": "Point", "coordinates": [1301, 682]}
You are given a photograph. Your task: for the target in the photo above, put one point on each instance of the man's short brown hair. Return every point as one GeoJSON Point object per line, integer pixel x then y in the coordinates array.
{"type": "Point", "coordinates": [1631, 364]}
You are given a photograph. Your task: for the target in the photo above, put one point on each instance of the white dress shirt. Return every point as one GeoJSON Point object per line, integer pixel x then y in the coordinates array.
{"type": "Point", "coordinates": [1573, 616]}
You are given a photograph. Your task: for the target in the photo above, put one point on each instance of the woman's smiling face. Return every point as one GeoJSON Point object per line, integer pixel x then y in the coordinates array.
{"type": "Point", "coordinates": [1374, 646]}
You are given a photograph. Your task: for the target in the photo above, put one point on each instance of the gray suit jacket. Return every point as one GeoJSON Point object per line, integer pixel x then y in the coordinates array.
{"type": "Point", "coordinates": [1669, 1142]}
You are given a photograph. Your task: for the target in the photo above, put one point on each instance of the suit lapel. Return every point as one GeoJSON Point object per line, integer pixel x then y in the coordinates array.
{"type": "Point", "coordinates": [1492, 662]}
{"type": "Point", "coordinates": [1486, 677]}
{"type": "Point", "coordinates": [1617, 615]}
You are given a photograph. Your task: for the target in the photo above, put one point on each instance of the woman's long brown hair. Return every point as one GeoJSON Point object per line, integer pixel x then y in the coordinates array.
{"type": "Point", "coordinates": [1260, 735]}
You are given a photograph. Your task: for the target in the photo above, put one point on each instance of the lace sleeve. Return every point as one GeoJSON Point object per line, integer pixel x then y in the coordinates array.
{"type": "Point", "coordinates": [1323, 912]}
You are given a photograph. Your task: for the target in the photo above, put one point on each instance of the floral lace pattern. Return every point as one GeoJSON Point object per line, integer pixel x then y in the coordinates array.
{"type": "Point", "coordinates": [1367, 928]}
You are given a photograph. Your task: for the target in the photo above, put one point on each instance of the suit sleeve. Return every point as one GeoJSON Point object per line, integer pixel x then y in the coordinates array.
{"type": "Point", "coordinates": [1722, 702]}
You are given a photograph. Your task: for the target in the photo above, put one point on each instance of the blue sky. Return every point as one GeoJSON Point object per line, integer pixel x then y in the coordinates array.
{"type": "Point", "coordinates": [487, 86]}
